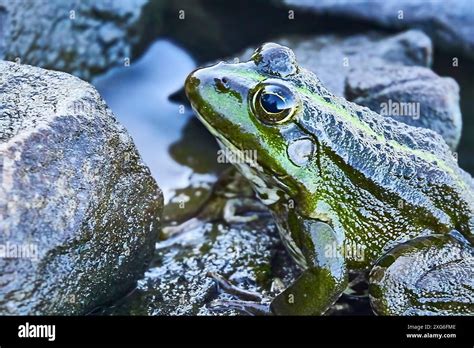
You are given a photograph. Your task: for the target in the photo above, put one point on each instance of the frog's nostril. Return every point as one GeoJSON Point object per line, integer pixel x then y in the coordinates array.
{"type": "Point", "coordinates": [222, 84]}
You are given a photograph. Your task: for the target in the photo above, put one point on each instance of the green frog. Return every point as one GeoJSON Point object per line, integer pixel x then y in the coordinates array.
{"type": "Point", "coordinates": [349, 189]}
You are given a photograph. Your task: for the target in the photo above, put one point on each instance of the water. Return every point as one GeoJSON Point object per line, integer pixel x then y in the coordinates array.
{"type": "Point", "coordinates": [463, 75]}
{"type": "Point", "coordinates": [176, 148]}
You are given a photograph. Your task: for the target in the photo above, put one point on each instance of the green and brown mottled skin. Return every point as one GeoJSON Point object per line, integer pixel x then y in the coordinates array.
{"type": "Point", "coordinates": [357, 180]}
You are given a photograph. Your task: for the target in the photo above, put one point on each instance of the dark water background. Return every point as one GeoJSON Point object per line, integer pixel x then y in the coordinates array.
{"type": "Point", "coordinates": [464, 76]}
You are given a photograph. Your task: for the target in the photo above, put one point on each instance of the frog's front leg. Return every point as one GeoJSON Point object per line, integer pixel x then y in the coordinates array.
{"type": "Point", "coordinates": [317, 288]}
{"type": "Point", "coordinates": [247, 302]}
{"type": "Point", "coordinates": [324, 279]}
{"type": "Point", "coordinates": [432, 275]}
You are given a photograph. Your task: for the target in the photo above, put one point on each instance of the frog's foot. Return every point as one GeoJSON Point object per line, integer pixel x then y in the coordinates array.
{"type": "Point", "coordinates": [234, 290]}
{"type": "Point", "coordinates": [247, 307]}
{"type": "Point", "coordinates": [235, 205]}
{"type": "Point", "coordinates": [312, 293]}
{"type": "Point", "coordinates": [248, 302]}
{"type": "Point", "coordinates": [431, 275]}
{"type": "Point", "coordinates": [169, 232]}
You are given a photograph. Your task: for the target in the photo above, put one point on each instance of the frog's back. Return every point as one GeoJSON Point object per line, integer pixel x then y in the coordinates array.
{"type": "Point", "coordinates": [412, 168]}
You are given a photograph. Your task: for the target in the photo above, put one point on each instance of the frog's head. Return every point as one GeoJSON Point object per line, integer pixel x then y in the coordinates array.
{"type": "Point", "coordinates": [251, 108]}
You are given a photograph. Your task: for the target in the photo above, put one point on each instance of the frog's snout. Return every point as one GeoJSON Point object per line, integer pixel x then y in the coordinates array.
{"type": "Point", "coordinates": [221, 78]}
{"type": "Point", "coordinates": [191, 85]}
{"type": "Point", "coordinates": [203, 87]}
{"type": "Point", "coordinates": [196, 80]}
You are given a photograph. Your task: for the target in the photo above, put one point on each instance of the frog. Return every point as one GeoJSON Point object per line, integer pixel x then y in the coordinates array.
{"type": "Point", "coordinates": [349, 189]}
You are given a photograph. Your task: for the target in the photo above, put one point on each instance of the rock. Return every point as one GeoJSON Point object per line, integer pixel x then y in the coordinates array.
{"type": "Point", "coordinates": [179, 285]}
{"type": "Point", "coordinates": [359, 67]}
{"type": "Point", "coordinates": [182, 21]}
{"type": "Point", "coordinates": [79, 211]}
{"type": "Point", "coordinates": [449, 23]}
{"type": "Point", "coordinates": [82, 37]}
{"type": "Point", "coordinates": [413, 95]}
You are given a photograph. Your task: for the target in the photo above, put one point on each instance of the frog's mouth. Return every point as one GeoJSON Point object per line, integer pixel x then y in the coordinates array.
{"type": "Point", "coordinates": [267, 182]}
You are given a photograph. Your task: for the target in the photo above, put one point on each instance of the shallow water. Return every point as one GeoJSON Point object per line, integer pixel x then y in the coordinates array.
{"type": "Point", "coordinates": [463, 75]}
{"type": "Point", "coordinates": [176, 148]}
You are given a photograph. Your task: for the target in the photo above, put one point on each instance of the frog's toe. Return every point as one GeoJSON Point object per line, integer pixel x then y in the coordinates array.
{"type": "Point", "coordinates": [247, 307]}
{"type": "Point", "coordinates": [432, 275]}
{"type": "Point", "coordinates": [234, 206]}
{"type": "Point", "coordinates": [231, 289]}
{"type": "Point", "coordinates": [239, 219]}
{"type": "Point", "coordinates": [247, 302]}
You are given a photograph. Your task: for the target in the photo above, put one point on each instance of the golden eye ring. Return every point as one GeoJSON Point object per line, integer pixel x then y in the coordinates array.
{"type": "Point", "coordinates": [273, 102]}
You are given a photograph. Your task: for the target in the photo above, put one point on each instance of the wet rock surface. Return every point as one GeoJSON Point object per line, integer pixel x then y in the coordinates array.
{"type": "Point", "coordinates": [374, 70]}
{"type": "Point", "coordinates": [249, 254]}
{"type": "Point", "coordinates": [178, 283]}
{"type": "Point", "coordinates": [449, 23]}
{"type": "Point", "coordinates": [76, 36]}
{"type": "Point", "coordinates": [79, 212]}
{"type": "Point", "coordinates": [332, 57]}
{"type": "Point", "coordinates": [412, 95]}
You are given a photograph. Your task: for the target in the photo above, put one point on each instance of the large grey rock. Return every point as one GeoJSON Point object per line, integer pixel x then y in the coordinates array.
{"type": "Point", "coordinates": [79, 212]}
{"type": "Point", "coordinates": [413, 95]}
{"type": "Point", "coordinates": [372, 69]}
{"type": "Point", "coordinates": [82, 37]}
{"type": "Point", "coordinates": [449, 23]}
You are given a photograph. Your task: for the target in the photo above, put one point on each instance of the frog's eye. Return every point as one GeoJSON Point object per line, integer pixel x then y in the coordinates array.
{"type": "Point", "coordinates": [274, 103]}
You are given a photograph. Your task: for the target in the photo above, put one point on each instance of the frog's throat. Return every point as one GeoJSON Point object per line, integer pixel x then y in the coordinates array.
{"type": "Point", "coordinates": [263, 189]}
{"type": "Point", "coordinates": [268, 193]}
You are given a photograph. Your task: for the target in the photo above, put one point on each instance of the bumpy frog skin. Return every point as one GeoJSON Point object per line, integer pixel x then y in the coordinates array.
{"type": "Point", "coordinates": [349, 189]}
